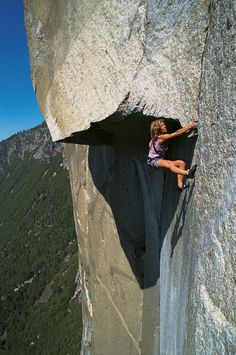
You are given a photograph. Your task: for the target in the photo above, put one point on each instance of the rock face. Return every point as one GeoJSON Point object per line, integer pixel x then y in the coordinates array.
{"type": "Point", "coordinates": [157, 268]}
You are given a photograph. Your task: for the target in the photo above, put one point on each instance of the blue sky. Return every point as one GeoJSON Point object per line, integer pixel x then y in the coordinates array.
{"type": "Point", "coordinates": [18, 106]}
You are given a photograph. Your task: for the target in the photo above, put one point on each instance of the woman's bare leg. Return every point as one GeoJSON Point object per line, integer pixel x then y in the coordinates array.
{"type": "Point", "coordinates": [176, 166]}
{"type": "Point", "coordinates": [181, 164]}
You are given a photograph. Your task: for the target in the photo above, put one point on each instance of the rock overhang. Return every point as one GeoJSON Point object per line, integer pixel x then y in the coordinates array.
{"type": "Point", "coordinates": [103, 56]}
{"type": "Point", "coordinates": [119, 130]}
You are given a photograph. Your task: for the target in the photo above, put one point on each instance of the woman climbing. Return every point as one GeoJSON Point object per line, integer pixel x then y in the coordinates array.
{"type": "Point", "coordinates": [158, 146]}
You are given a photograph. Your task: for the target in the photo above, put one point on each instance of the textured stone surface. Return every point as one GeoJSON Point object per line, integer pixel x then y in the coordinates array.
{"type": "Point", "coordinates": [112, 297]}
{"type": "Point", "coordinates": [92, 57]}
{"type": "Point", "coordinates": [157, 268]}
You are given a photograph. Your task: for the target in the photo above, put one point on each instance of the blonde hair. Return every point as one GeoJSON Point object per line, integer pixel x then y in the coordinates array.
{"type": "Point", "coordinates": [155, 127]}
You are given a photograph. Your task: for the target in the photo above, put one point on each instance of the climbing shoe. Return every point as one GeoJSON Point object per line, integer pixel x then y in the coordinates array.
{"type": "Point", "coordinates": [183, 187]}
{"type": "Point", "coordinates": [191, 172]}
{"type": "Point", "coordinates": [193, 133]}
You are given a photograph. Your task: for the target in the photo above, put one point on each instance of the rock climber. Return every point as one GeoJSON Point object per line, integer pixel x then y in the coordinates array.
{"type": "Point", "coordinates": [158, 146]}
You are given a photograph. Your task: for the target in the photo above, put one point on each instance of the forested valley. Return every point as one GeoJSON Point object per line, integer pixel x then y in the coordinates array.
{"type": "Point", "coordinates": [40, 309]}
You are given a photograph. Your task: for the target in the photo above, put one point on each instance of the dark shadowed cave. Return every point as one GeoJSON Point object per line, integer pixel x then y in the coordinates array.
{"type": "Point", "coordinates": [143, 200]}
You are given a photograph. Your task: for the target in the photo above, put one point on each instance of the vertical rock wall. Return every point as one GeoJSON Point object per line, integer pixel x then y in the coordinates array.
{"type": "Point", "coordinates": [111, 239]}
{"type": "Point", "coordinates": [157, 267]}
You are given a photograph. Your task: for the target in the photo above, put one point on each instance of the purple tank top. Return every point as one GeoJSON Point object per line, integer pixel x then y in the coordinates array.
{"type": "Point", "coordinates": [157, 150]}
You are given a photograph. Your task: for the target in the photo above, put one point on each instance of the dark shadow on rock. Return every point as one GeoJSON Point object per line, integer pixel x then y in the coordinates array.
{"type": "Point", "coordinates": [180, 148]}
{"type": "Point", "coordinates": [143, 200]}
{"type": "Point", "coordinates": [180, 221]}
{"type": "Point", "coordinates": [119, 130]}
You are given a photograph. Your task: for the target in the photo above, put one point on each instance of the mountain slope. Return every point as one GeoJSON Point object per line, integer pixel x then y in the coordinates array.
{"type": "Point", "coordinates": [38, 263]}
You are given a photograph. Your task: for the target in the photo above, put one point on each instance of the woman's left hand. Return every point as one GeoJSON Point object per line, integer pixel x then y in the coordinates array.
{"type": "Point", "coordinates": [193, 125]}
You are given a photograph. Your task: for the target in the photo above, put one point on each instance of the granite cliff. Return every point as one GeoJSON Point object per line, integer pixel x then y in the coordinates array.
{"type": "Point", "coordinates": [157, 267]}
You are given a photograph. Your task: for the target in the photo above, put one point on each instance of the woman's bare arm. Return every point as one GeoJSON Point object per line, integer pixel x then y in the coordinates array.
{"type": "Point", "coordinates": [177, 133]}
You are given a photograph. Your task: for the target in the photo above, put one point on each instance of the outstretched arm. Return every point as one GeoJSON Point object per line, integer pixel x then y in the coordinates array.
{"type": "Point", "coordinates": [177, 133]}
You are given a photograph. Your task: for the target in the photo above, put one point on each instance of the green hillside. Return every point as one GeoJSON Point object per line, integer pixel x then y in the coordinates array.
{"type": "Point", "coordinates": [40, 310]}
